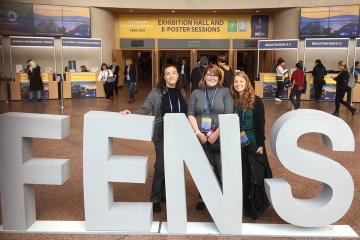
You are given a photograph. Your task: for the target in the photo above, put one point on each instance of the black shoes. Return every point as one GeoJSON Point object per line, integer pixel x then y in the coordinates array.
{"type": "Point", "coordinates": [156, 207]}
{"type": "Point", "coordinates": [336, 114]}
{"type": "Point", "coordinates": [200, 206]}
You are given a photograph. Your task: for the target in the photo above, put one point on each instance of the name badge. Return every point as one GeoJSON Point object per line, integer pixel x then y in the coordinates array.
{"type": "Point", "coordinates": [243, 138]}
{"type": "Point", "coordinates": [206, 123]}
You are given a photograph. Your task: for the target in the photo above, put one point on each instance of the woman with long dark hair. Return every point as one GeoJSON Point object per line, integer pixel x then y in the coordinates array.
{"type": "Point", "coordinates": [167, 97]}
{"type": "Point", "coordinates": [104, 74]}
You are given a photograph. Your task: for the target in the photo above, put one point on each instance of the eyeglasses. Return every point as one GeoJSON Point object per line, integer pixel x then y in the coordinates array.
{"type": "Point", "coordinates": [212, 76]}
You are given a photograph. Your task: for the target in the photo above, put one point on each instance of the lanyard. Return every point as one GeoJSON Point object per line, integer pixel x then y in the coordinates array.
{"type": "Point", "coordinates": [207, 102]}
{"type": "Point", "coordinates": [171, 106]}
{"type": "Point", "coordinates": [242, 123]}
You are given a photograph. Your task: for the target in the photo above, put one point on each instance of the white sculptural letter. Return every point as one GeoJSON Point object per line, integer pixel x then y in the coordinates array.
{"type": "Point", "coordinates": [338, 186]}
{"type": "Point", "coordinates": [19, 171]}
{"type": "Point", "coordinates": [181, 145]}
{"type": "Point", "coordinates": [101, 169]}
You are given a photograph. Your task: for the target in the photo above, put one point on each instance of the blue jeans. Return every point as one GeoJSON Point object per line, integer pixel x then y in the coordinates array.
{"type": "Point", "coordinates": [38, 95]}
{"type": "Point", "coordinates": [130, 85]}
{"type": "Point", "coordinates": [295, 92]}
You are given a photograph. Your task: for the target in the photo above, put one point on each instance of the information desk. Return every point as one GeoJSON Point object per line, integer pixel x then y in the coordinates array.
{"type": "Point", "coordinates": [82, 85]}
{"type": "Point", "coordinates": [19, 90]}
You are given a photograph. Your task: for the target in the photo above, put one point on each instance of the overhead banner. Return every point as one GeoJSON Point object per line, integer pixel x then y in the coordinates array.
{"type": "Point", "coordinates": [193, 26]}
{"type": "Point", "coordinates": [278, 44]}
{"type": "Point", "coordinates": [81, 42]}
{"type": "Point", "coordinates": [31, 42]}
{"type": "Point", "coordinates": [335, 21]}
{"type": "Point", "coordinates": [194, 43]}
{"type": "Point", "coordinates": [16, 19]}
{"type": "Point", "coordinates": [259, 26]}
{"type": "Point", "coordinates": [327, 43]}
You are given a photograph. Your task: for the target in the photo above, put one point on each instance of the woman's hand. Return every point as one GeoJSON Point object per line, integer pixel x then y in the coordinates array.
{"type": "Point", "coordinates": [202, 138]}
{"type": "Point", "coordinates": [125, 112]}
{"type": "Point", "coordinates": [260, 150]}
{"type": "Point", "coordinates": [214, 136]}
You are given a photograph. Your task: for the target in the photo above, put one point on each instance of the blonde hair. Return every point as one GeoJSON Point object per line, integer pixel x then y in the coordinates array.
{"type": "Point", "coordinates": [245, 100]}
{"type": "Point", "coordinates": [215, 70]}
{"type": "Point", "coordinates": [343, 64]}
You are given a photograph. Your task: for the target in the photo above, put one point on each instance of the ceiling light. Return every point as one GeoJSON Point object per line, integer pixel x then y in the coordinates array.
{"type": "Point", "coordinates": [214, 11]}
{"type": "Point", "coordinates": [173, 11]}
{"type": "Point", "coordinates": [131, 11]}
{"type": "Point", "coordinates": [257, 11]}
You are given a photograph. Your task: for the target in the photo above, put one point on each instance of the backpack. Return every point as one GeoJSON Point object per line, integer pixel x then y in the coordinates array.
{"type": "Point", "coordinates": [351, 82]}
{"type": "Point", "coordinates": [227, 77]}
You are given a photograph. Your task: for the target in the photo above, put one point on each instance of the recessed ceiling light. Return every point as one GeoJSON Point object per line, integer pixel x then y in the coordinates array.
{"type": "Point", "coordinates": [173, 11]}
{"type": "Point", "coordinates": [214, 11]}
{"type": "Point", "coordinates": [131, 11]}
{"type": "Point", "coordinates": [257, 11]}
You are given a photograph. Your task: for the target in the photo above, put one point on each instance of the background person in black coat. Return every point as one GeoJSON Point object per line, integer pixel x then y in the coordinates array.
{"type": "Point", "coordinates": [130, 79]}
{"type": "Point", "coordinates": [34, 75]}
{"type": "Point", "coordinates": [318, 72]}
{"type": "Point", "coordinates": [197, 73]}
{"type": "Point", "coordinates": [341, 88]}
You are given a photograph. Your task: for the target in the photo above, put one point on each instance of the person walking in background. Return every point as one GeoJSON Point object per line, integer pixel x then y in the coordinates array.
{"type": "Point", "coordinates": [318, 72]}
{"type": "Point", "coordinates": [130, 79]}
{"type": "Point", "coordinates": [297, 84]}
{"type": "Point", "coordinates": [36, 84]}
{"type": "Point", "coordinates": [184, 72]}
{"type": "Point", "coordinates": [226, 72]}
{"type": "Point", "coordinates": [115, 70]}
{"type": "Point", "coordinates": [205, 105]}
{"type": "Point", "coordinates": [341, 88]}
{"type": "Point", "coordinates": [281, 73]}
{"type": "Point", "coordinates": [255, 165]}
{"type": "Point", "coordinates": [197, 73]}
{"type": "Point", "coordinates": [104, 74]}
{"type": "Point", "coordinates": [167, 97]}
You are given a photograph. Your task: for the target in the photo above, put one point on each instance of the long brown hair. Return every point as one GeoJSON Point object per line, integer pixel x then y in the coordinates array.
{"type": "Point", "coordinates": [215, 70]}
{"type": "Point", "coordinates": [247, 99]}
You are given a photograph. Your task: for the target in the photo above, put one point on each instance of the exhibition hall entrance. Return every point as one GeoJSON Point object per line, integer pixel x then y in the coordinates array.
{"type": "Point", "coordinates": [246, 61]}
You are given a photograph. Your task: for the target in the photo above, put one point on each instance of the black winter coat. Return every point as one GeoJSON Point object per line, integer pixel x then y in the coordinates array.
{"type": "Point", "coordinates": [36, 83]}
{"type": "Point", "coordinates": [319, 72]}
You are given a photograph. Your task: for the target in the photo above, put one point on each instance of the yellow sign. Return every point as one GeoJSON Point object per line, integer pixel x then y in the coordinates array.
{"type": "Point", "coordinates": [185, 26]}
{"type": "Point", "coordinates": [83, 76]}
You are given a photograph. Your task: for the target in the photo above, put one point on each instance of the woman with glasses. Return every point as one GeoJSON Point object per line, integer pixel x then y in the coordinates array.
{"type": "Point", "coordinates": [167, 97]}
{"type": "Point", "coordinates": [205, 104]}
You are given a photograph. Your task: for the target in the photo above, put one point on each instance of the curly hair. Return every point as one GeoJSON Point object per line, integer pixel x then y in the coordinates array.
{"type": "Point", "coordinates": [246, 99]}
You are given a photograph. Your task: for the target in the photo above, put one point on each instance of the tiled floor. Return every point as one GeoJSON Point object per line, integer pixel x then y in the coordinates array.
{"type": "Point", "coordinates": [66, 202]}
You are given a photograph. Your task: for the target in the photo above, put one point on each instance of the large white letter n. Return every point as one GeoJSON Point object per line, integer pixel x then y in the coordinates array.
{"type": "Point", "coordinates": [181, 145]}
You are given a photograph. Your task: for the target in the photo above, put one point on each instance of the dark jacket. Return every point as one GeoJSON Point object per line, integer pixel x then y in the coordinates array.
{"type": "Point", "coordinates": [153, 104]}
{"type": "Point", "coordinates": [196, 75]}
{"type": "Point", "coordinates": [319, 72]}
{"type": "Point", "coordinates": [132, 73]}
{"type": "Point", "coordinates": [259, 122]}
{"type": "Point", "coordinates": [342, 80]}
{"type": "Point", "coordinates": [36, 83]}
{"type": "Point", "coordinates": [256, 167]}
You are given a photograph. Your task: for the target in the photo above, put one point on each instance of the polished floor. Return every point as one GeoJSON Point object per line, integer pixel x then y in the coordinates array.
{"type": "Point", "coordinates": [66, 202]}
